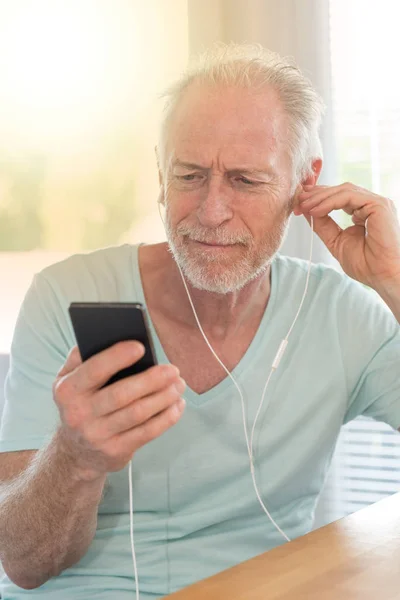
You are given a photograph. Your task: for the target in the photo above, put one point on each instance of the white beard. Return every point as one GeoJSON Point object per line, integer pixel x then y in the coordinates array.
{"type": "Point", "coordinates": [218, 271]}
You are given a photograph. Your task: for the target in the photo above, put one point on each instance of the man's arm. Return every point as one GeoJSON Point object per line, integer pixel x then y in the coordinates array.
{"type": "Point", "coordinates": [390, 294]}
{"type": "Point", "coordinates": [48, 514]}
{"type": "Point", "coordinates": [368, 251]}
{"type": "Point", "coordinates": [48, 517]}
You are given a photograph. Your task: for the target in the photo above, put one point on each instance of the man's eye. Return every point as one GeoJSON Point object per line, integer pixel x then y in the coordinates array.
{"type": "Point", "coordinates": [189, 177]}
{"type": "Point", "coordinates": [247, 181]}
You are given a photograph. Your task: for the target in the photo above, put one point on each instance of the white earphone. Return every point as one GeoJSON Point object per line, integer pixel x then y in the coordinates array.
{"type": "Point", "coordinates": [274, 366]}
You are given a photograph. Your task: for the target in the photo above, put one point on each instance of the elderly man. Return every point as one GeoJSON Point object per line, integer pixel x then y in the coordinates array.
{"type": "Point", "coordinates": [238, 154]}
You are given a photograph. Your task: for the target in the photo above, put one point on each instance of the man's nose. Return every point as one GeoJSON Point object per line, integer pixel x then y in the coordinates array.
{"type": "Point", "coordinates": [215, 206]}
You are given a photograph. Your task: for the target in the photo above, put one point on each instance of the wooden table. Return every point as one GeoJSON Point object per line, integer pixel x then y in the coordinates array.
{"type": "Point", "coordinates": [355, 558]}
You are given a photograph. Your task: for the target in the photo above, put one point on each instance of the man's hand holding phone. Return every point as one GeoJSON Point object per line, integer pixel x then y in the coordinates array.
{"type": "Point", "coordinates": [102, 427]}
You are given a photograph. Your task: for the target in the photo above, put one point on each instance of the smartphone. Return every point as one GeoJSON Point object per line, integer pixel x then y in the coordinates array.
{"type": "Point", "coordinates": [99, 325]}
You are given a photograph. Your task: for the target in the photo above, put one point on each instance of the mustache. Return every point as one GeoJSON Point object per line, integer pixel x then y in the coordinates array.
{"type": "Point", "coordinates": [214, 236]}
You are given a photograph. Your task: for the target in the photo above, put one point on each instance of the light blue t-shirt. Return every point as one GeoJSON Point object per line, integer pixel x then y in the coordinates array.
{"type": "Point", "coordinates": [195, 508]}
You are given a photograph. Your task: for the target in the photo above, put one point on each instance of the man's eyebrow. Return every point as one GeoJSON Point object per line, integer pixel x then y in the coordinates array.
{"type": "Point", "coordinates": [251, 171]}
{"type": "Point", "coordinates": [187, 165]}
{"type": "Point", "coordinates": [235, 171]}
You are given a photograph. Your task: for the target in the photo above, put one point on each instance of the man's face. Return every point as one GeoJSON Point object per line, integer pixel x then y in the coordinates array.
{"type": "Point", "coordinates": [227, 185]}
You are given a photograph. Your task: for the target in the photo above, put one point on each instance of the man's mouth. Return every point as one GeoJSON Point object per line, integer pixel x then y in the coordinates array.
{"type": "Point", "coordinates": [213, 244]}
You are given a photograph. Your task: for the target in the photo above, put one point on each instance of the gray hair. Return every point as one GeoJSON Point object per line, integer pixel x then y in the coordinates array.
{"type": "Point", "coordinates": [252, 66]}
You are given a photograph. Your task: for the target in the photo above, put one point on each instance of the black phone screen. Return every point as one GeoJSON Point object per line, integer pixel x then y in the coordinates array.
{"type": "Point", "coordinates": [99, 325]}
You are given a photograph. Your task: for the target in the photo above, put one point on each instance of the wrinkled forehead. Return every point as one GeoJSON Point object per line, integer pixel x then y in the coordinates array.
{"type": "Point", "coordinates": [240, 122]}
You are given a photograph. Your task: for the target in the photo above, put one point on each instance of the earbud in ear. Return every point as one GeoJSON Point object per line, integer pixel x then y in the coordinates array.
{"type": "Point", "coordinates": [295, 200]}
{"type": "Point", "coordinates": [161, 203]}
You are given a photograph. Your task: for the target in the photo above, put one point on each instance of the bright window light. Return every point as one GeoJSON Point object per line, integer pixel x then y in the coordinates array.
{"type": "Point", "coordinates": [61, 65]}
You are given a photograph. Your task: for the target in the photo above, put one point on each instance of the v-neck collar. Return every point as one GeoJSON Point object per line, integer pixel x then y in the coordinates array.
{"type": "Point", "coordinates": [244, 363]}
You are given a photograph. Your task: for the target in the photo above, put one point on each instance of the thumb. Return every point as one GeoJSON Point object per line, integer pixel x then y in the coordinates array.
{"type": "Point", "coordinates": [73, 360]}
{"type": "Point", "coordinates": [327, 230]}
{"type": "Point", "coordinates": [295, 202]}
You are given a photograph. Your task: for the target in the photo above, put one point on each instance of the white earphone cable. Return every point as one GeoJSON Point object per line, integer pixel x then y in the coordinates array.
{"type": "Point", "coordinates": [131, 530]}
{"type": "Point", "coordinates": [274, 366]}
{"type": "Point", "coordinates": [284, 343]}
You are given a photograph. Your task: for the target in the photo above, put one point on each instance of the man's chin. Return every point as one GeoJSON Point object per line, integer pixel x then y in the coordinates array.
{"type": "Point", "coordinates": [217, 272]}
{"type": "Point", "coordinates": [215, 286]}
{"type": "Point", "coordinates": [218, 278]}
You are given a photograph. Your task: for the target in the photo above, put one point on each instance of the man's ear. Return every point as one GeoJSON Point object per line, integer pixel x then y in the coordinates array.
{"type": "Point", "coordinates": [160, 177]}
{"type": "Point", "coordinates": [161, 199]}
{"type": "Point", "coordinates": [309, 180]}
{"type": "Point", "coordinates": [316, 170]}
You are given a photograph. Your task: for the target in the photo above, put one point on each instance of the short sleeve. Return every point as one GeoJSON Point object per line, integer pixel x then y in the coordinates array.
{"type": "Point", "coordinates": [38, 350]}
{"type": "Point", "coordinates": [371, 350]}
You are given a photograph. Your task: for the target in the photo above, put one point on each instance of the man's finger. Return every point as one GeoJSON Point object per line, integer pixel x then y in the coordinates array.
{"type": "Point", "coordinates": [101, 366]}
{"type": "Point", "coordinates": [295, 203]}
{"type": "Point", "coordinates": [73, 360]}
{"type": "Point", "coordinates": [323, 203]}
{"type": "Point", "coordinates": [328, 230]}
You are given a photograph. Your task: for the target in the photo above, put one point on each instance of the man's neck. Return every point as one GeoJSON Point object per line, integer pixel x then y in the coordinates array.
{"type": "Point", "coordinates": [221, 315]}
